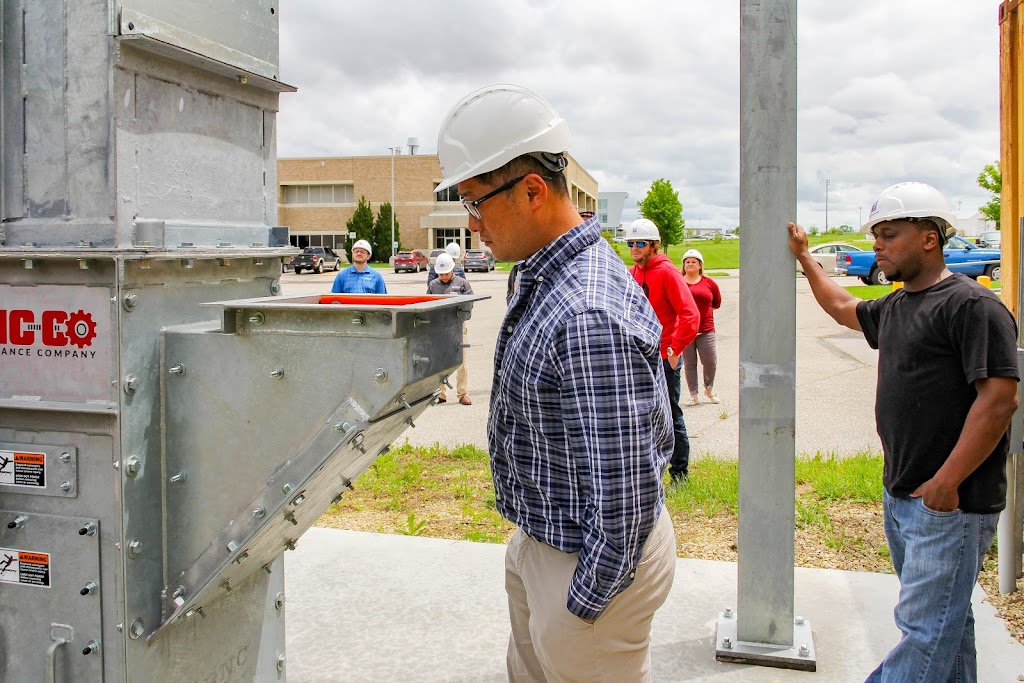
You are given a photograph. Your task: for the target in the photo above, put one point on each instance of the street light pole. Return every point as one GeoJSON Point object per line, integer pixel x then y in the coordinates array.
{"type": "Point", "coordinates": [860, 217]}
{"type": "Point", "coordinates": [393, 150]}
{"type": "Point", "coordinates": [827, 183]}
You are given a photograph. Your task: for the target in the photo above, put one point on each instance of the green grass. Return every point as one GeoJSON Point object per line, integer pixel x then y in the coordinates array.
{"type": "Point", "coordinates": [856, 478]}
{"type": "Point", "coordinates": [869, 292]}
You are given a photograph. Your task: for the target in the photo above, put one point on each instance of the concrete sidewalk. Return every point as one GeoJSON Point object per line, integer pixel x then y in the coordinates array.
{"type": "Point", "coordinates": [377, 608]}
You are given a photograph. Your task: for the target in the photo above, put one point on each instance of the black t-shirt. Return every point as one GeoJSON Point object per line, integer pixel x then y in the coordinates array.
{"type": "Point", "coordinates": [932, 346]}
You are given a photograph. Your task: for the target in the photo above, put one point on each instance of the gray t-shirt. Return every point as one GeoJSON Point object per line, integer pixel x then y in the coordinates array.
{"type": "Point", "coordinates": [456, 285]}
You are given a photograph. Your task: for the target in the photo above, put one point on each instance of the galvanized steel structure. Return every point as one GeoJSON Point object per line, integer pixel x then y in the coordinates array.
{"type": "Point", "coordinates": [157, 456]}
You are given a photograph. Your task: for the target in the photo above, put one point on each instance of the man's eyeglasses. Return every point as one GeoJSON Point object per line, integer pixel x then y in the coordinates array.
{"type": "Point", "coordinates": [472, 206]}
{"type": "Point", "coordinates": [639, 244]}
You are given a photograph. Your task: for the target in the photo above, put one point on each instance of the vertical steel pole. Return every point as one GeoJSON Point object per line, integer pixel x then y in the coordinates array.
{"type": "Point", "coordinates": [764, 629]}
{"type": "Point", "coordinates": [392, 205]}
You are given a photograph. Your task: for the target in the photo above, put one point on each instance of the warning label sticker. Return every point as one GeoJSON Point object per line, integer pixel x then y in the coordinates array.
{"type": "Point", "coordinates": [23, 469]}
{"type": "Point", "coordinates": [24, 567]}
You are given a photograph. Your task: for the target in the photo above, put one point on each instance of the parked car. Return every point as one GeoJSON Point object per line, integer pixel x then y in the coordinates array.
{"type": "Point", "coordinates": [317, 259]}
{"type": "Point", "coordinates": [730, 236]}
{"type": "Point", "coordinates": [433, 256]}
{"type": "Point", "coordinates": [411, 261]}
{"type": "Point", "coordinates": [990, 240]}
{"type": "Point", "coordinates": [478, 259]}
{"type": "Point", "coordinates": [961, 257]}
{"type": "Point", "coordinates": [827, 256]}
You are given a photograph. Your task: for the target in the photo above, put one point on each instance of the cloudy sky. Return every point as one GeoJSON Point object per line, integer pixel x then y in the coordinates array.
{"type": "Point", "coordinates": [888, 90]}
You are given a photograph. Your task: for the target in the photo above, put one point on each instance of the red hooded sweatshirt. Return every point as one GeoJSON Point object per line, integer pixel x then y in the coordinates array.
{"type": "Point", "coordinates": [674, 305]}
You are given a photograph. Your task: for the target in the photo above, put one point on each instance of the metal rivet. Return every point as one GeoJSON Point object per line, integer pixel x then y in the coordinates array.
{"type": "Point", "coordinates": [134, 548]}
{"type": "Point", "coordinates": [277, 373]}
{"type": "Point", "coordinates": [132, 466]}
{"type": "Point", "coordinates": [65, 486]}
{"type": "Point", "coordinates": [130, 301]}
{"type": "Point", "coordinates": [178, 369]}
{"type": "Point", "coordinates": [804, 651]}
{"type": "Point", "coordinates": [65, 457]}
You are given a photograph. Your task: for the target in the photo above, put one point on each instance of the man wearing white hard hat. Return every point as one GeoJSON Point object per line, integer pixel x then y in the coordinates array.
{"type": "Point", "coordinates": [673, 304]}
{"type": "Point", "coordinates": [359, 278]}
{"type": "Point", "coordinates": [447, 282]}
{"type": "Point", "coordinates": [455, 251]}
{"type": "Point", "coordinates": [580, 429]}
{"type": "Point", "coordinates": [947, 388]}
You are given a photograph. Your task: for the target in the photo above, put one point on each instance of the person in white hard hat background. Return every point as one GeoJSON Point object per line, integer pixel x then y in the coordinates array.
{"type": "Point", "coordinates": [708, 297]}
{"type": "Point", "coordinates": [447, 282]}
{"type": "Point", "coordinates": [947, 388]}
{"type": "Point", "coordinates": [579, 428]}
{"type": "Point", "coordinates": [359, 278]}
{"type": "Point", "coordinates": [455, 251]}
{"type": "Point", "coordinates": [677, 313]}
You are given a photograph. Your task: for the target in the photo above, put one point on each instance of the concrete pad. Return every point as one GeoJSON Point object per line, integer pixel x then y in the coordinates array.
{"type": "Point", "coordinates": [374, 607]}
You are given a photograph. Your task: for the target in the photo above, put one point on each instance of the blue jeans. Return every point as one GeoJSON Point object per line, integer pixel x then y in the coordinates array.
{"type": "Point", "coordinates": [680, 464]}
{"type": "Point", "coordinates": [937, 557]}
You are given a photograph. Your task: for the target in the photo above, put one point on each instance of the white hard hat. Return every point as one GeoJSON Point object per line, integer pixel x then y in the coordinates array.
{"type": "Point", "coordinates": [643, 229]}
{"type": "Point", "coordinates": [363, 244]}
{"type": "Point", "coordinates": [912, 200]}
{"type": "Point", "coordinates": [444, 264]}
{"type": "Point", "coordinates": [492, 126]}
{"type": "Point", "coordinates": [454, 250]}
{"type": "Point", "coordinates": [693, 253]}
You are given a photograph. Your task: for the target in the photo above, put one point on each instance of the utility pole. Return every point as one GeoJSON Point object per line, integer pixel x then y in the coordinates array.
{"type": "Point", "coordinates": [393, 151]}
{"type": "Point", "coordinates": [827, 183]}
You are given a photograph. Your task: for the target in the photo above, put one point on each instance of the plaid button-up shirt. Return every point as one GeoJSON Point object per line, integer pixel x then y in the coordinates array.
{"type": "Point", "coordinates": [580, 429]}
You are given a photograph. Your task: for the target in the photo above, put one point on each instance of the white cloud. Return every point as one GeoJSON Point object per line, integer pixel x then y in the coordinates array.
{"type": "Point", "coordinates": [887, 91]}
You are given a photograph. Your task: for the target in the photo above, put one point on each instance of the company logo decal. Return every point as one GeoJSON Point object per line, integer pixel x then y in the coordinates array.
{"type": "Point", "coordinates": [55, 330]}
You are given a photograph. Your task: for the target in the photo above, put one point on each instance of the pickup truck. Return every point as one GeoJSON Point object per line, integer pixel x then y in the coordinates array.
{"type": "Point", "coordinates": [316, 259]}
{"type": "Point", "coordinates": [961, 257]}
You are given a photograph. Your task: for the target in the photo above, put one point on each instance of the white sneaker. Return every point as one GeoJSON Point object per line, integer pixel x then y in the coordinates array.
{"type": "Point", "coordinates": [692, 401]}
{"type": "Point", "coordinates": [712, 396]}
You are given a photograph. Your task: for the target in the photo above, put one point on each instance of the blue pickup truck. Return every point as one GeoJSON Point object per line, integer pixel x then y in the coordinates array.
{"type": "Point", "coordinates": [961, 257]}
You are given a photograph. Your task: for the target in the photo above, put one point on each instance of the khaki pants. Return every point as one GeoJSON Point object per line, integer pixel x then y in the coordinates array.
{"type": "Point", "coordinates": [550, 643]}
{"type": "Point", "coordinates": [461, 375]}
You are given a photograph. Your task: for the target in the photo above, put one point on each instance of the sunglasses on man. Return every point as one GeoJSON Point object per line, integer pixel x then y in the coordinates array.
{"type": "Point", "coordinates": [639, 244]}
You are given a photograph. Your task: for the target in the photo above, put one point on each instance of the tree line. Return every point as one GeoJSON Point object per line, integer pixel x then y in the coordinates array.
{"type": "Point", "coordinates": [374, 229]}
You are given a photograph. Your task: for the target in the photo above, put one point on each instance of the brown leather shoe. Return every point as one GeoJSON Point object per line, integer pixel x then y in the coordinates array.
{"type": "Point", "coordinates": [464, 400]}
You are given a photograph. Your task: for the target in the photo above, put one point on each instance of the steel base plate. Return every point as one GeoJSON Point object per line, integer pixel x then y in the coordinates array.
{"type": "Point", "coordinates": [800, 656]}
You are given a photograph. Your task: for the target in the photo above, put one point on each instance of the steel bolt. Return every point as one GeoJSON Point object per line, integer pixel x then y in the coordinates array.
{"type": "Point", "coordinates": [178, 369]}
{"type": "Point", "coordinates": [179, 592]}
{"type": "Point", "coordinates": [275, 288]}
{"type": "Point", "coordinates": [404, 402]}
{"type": "Point", "coordinates": [359, 319]}
{"type": "Point", "coordinates": [259, 511]}
{"type": "Point", "coordinates": [291, 518]}
{"type": "Point", "coordinates": [726, 643]}
{"type": "Point", "coordinates": [65, 486]}
{"type": "Point", "coordinates": [232, 546]}
{"type": "Point", "coordinates": [298, 500]}
{"type": "Point", "coordinates": [420, 360]}
{"type": "Point", "coordinates": [728, 613]}
{"type": "Point", "coordinates": [90, 647]}
{"type": "Point", "coordinates": [380, 375]}
{"type": "Point", "coordinates": [131, 384]}
{"type": "Point", "coordinates": [136, 630]}
{"type": "Point", "coordinates": [287, 488]}
{"type": "Point", "coordinates": [281, 660]}
{"type": "Point", "coordinates": [277, 373]}
{"type": "Point", "coordinates": [444, 381]}
{"type": "Point", "coordinates": [65, 457]}
{"type": "Point", "coordinates": [279, 601]}
{"type": "Point", "coordinates": [178, 477]}
{"type": "Point", "coordinates": [289, 544]}
{"type": "Point", "coordinates": [18, 522]}
{"type": "Point", "coordinates": [134, 548]}
{"type": "Point", "coordinates": [88, 529]}
{"type": "Point", "coordinates": [804, 651]}
{"type": "Point", "coordinates": [132, 466]}
{"type": "Point", "coordinates": [342, 426]}
{"type": "Point", "coordinates": [130, 301]}
{"type": "Point", "coordinates": [89, 588]}
{"type": "Point", "coordinates": [257, 318]}
{"type": "Point", "coordinates": [799, 621]}
{"type": "Point", "coordinates": [409, 422]}
{"type": "Point", "coordinates": [243, 557]}
{"type": "Point", "coordinates": [420, 320]}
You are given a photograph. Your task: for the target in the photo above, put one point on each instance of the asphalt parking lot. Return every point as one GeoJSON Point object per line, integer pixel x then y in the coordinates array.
{"type": "Point", "coordinates": [836, 372]}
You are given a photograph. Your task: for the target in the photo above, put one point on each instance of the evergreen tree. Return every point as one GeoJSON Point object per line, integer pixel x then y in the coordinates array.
{"type": "Point", "coordinates": [382, 233]}
{"type": "Point", "coordinates": [361, 224]}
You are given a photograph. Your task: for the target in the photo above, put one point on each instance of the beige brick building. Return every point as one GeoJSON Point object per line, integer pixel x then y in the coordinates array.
{"type": "Point", "coordinates": [316, 196]}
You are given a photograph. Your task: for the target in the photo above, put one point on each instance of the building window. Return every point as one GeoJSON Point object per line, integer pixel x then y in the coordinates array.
{"type": "Point", "coordinates": [336, 241]}
{"type": "Point", "coordinates": [604, 218]}
{"type": "Point", "coordinates": [442, 236]}
{"type": "Point", "coordinates": [602, 204]}
{"type": "Point", "coordinates": [318, 194]}
{"type": "Point", "coordinates": [450, 194]}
